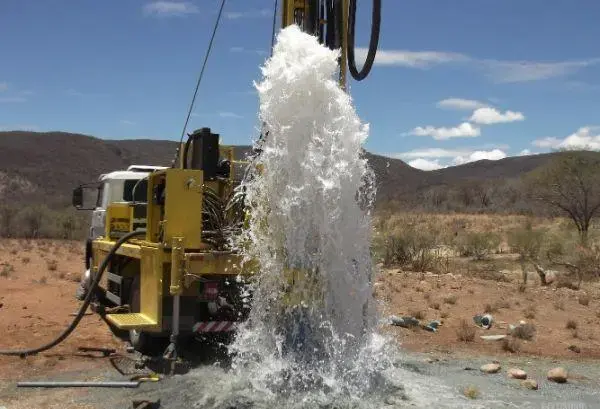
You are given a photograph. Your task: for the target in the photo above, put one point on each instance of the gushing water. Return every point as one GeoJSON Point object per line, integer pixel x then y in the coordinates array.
{"type": "Point", "coordinates": [309, 195]}
{"type": "Point", "coordinates": [311, 339]}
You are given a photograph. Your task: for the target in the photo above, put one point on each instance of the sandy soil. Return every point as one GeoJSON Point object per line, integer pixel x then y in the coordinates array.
{"type": "Point", "coordinates": [38, 281]}
{"type": "Point", "coordinates": [451, 298]}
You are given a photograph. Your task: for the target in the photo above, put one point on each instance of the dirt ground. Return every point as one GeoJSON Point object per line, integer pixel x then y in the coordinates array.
{"type": "Point", "coordinates": [38, 280]}
{"type": "Point", "coordinates": [452, 298]}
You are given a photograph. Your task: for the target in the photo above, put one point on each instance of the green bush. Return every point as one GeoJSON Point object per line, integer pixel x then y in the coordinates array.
{"type": "Point", "coordinates": [478, 244]}
{"type": "Point", "coordinates": [407, 243]}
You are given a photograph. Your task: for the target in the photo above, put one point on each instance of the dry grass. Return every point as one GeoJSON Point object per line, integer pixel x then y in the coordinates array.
{"type": "Point", "coordinates": [571, 324]}
{"type": "Point", "coordinates": [435, 305]}
{"type": "Point", "coordinates": [471, 392]}
{"type": "Point", "coordinates": [559, 305]}
{"type": "Point", "coordinates": [529, 312]}
{"type": "Point", "coordinates": [420, 315]}
{"type": "Point", "coordinates": [465, 331]}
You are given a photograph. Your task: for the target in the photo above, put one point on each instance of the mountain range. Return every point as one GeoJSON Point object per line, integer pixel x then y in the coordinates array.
{"type": "Point", "coordinates": [44, 167]}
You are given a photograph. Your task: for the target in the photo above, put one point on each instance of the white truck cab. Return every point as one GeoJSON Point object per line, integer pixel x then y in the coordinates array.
{"type": "Point", "coordinates": [116, 186]}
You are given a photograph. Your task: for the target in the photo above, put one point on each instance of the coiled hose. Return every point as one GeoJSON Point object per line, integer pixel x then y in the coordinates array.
{"type": "Point", "coordinates": [373, 42]}
{"type": "Point", "coordinates": [24, 352]}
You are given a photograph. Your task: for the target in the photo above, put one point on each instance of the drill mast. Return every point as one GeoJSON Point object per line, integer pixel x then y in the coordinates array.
{"type": "Point", "coordinates": [332, 22]}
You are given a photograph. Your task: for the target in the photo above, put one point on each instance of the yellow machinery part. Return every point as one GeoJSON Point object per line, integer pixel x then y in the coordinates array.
{"type": "Point", "coordinates": [149, 318]}
{"type": "Point", "coordinates": [182, 211]}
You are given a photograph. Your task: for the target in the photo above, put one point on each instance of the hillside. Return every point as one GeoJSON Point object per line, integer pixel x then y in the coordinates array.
{"type": "Point", "coordinates": [44, 167]}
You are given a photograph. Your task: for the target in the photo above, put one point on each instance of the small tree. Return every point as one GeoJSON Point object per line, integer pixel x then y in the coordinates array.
{"type": "Point", "coordinates": [527, 243]}
{"type": "Point", "coordinates": [7, 220]}
{"type": "Point", "coordinates": [33, 218]}
{"type": "Point", "coordinates": [570, 183]}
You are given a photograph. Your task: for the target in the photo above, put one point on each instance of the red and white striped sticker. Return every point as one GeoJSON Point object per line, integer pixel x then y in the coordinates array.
{"type": "Point", "coordinates": [214, 326]}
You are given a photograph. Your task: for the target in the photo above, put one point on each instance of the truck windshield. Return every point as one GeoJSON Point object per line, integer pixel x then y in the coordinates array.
{"type": "Point", "coordinates": [140, 190]}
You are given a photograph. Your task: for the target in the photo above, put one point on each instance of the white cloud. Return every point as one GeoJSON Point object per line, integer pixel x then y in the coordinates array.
{"type": "Point", "coordinates": [461, 104]}
{"type": "Point", "coordinates": [521, 71]}
{"type": "Point", "coordinates": [12, 99]}
{"type": "Point", "coordinates": [586, 137]}
{"type": "Point", "coordinates": [234, 15]}
{"type": "Point", "coordinates": [429, 158]}
{"type": "Point", "coordinates": [29, 128]}
{"type": "Point", "coordinates": [464, 130]}
{"type": "Point", "coordinates": [425, 164]}
{"type": "Point", "coordinates": [170, 8]}
{"type": "Point", "coordinates": [245, 50]}
{"type": "Point", "coordinates": [126, 122]}
{"type": "Point", "coordinates": [3, 86]}
{"type": "Point", "coordinates": [488, 116]}
{"type": "Point", "coordinates": [524, 152]}
{"type": "Point", "coordinates": [494, 154]}
{"type": "Point", "coordinates": [230, 115]}
{"type": "Point", "coordinates": [73, 93]}
{"type": "Point", "coordinates": [432, 153]}
{"type": "Point", "coordinates": [412, 59]}
{"type": "Point", "coordinates": [500, 71]}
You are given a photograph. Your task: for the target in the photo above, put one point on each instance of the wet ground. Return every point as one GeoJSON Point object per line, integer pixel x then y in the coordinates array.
{"type": "Point", "coordinates": [411, 382]}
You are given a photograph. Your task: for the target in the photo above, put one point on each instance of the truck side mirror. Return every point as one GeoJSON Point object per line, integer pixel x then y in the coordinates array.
{"type": "Point", "coordinates": [78, 197]}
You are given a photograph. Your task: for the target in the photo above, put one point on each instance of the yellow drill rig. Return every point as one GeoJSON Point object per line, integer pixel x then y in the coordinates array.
{"type": "Point", "coordinates": [162, 268]}
{"type": "Point", "coordinates": [175, 274]}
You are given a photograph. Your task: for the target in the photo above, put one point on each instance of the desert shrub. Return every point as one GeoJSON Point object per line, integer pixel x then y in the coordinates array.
{"type": "Point", "coordinates": [584, 299]}
{"type": "Point", "coordinates": [451, 299]}
{"type": "Point", "coordinates": [527, 243]}
{"type": "Point", "coordinates": [409, 242]}
{"type": "Point", "coordinates": [525, 331]}
{"type": "Point", "coordinates": [478, 244]}
{"type": "Point", "coordinates": [52, 265]}
{"type": "Point", "coordinates": [6, 270]}
{"type": "Point", "coordinates": [529, 312]}
{"type": "Point", "coordinates": [511, 344]}
{"type": "Point", "coordinates": [465, 331]}
{"type": "Point", "coordinates": [571, 324]}
{"type": "Point", "coordinates": [7, 220]}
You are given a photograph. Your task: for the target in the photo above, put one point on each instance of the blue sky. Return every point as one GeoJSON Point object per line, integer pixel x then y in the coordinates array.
{"type": "Point", "coordinates": [454, 81]}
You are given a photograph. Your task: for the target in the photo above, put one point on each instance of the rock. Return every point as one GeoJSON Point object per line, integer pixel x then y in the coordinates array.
{"type": "Point", "coordinates": [492, 337]}
{"type": "Point", "coordinates": [490, 368]}
{"type": "Point", "coordinates": [558, 375]}
{"type": "Point", "coordinates": [431, 360]}
{"type": "Point", "coordinates": [530, 384]}
{"type": "Point", "coordinates": [574, 348]}
{"type": "Point", "coordinates": [517, 373]}
{"type": "Point", "coordinates": [550, 276]}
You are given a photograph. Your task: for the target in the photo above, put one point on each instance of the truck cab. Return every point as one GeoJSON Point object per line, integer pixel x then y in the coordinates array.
{"type": "Point", "coordinates": [118, 186]}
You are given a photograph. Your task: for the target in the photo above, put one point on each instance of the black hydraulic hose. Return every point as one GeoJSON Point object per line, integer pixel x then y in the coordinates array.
{"type": "Point", "coordinates": [373, 42]}
{"type": "Point", "coordinates": [186, 148]}
{"type": "Point", "coordinates": [84, 306]}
